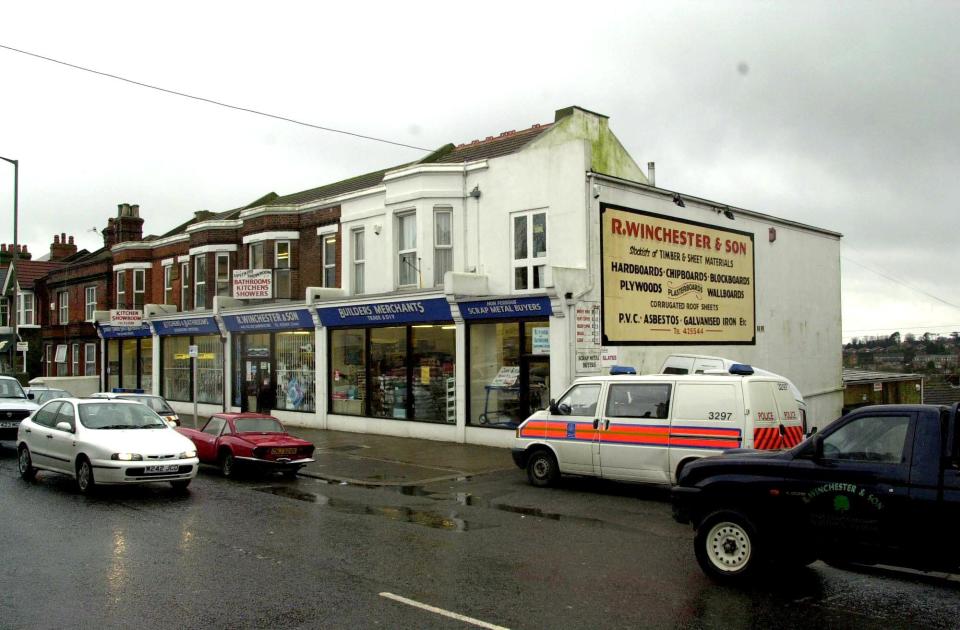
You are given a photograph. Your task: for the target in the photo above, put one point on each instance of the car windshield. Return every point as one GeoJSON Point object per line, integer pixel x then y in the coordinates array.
{"type": "Point", "coordinates": [156, 403]}
{"type": "Point", "coordinates": [111, 415]}
{"type": "Point", "coordinates": [43, 395]}
{"type": "Point", "coordinates": [9, 388]}
{"type": "Point", "coordinates": [258, 425]}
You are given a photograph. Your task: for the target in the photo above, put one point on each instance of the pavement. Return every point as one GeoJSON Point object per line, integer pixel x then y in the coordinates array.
{"type": "Point", "coordinates": [382, 460]}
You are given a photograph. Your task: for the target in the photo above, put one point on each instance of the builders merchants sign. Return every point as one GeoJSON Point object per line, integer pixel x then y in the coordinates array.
{"type": "Point", "coordinates": [670, 281]}
{"type": "Point", "coordinates": [252, 284]}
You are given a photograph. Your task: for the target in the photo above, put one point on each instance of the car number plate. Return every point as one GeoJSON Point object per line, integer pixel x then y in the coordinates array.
{"type": "Point", "coordinates": [283, 451]}
{"type": "Point", "coordinates": [9, 425]}
{"type": "Point", "coordinates": [163, 468]}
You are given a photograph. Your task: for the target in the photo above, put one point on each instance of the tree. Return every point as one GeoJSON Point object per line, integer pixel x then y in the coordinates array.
{"type": "Point", "coordinates": [895, 338]}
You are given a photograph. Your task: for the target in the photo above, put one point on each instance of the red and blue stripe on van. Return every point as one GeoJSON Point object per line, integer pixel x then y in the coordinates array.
{"type": "Point", "coordinates": [635, 434]}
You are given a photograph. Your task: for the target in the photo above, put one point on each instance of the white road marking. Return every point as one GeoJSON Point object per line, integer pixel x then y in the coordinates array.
{"type": "Point", "coordinates": [441, 611]}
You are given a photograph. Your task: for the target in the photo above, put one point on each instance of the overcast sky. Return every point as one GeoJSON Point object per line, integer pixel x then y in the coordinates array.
{"type": "Point", "coordinates": [845, 116]}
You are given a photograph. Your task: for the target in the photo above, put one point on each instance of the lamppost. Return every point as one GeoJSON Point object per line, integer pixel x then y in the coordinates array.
{"type": "Point", "coordinates": [13, 261]}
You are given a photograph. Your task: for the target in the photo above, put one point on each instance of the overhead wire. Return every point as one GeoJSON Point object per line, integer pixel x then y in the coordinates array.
{"type": "Point", "coordinates": [212, 101]}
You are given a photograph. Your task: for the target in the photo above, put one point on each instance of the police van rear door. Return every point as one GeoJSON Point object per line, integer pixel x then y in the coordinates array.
{"type": "Point", "coordinates": [707, 418]}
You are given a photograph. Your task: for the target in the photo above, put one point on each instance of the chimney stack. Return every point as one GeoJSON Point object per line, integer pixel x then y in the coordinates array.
{"type": "Point", "coordinates": [126, 226]}
{"type": "Point", "coordinates": [60, 248]}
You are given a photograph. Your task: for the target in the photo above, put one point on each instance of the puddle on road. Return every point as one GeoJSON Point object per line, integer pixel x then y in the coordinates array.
{"type": "Point", "coordinates": [426, 518]}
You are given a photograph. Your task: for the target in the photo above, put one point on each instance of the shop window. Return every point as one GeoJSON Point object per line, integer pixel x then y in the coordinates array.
{"type": "Point", "coordinates": [408, 272]}
{"type": "Point", "coordinates": [281, 270]}
{"type": "Point", "coordinates": [434, 354]}
{"type": "Point", "coordinates": [223, 274]}
{"type": "Point", "coordinates": [128, 363]}
{"type": "Point", "coordinates": [442, 244]}
{"type": "Point", "coordinates": [25, 310]}
{"type": "Point", "coordinates": [296, 382]}
{"type": "Point", "coordinates": [359, 261]}
{"type": "Point", "coordinates": [168, 284]}
{"type": "Point", "coordinates": [175, 378]}
{"type": "Point", "coordinates": [209, 371]}
{"type": "Point", "coordinates": [184, 286]}
{"type": "Point", "coordinates": [348, 380]}
{"type": "Point", "coordinates": [200, 282]}
{"type": "Point", "coordinates": [89, 359]}
{"type": "Point", "coordinates": [388, 373]}
{"type": "Point", "coordinates": [90, 302]}
{"type": "Point", "coordinates": [529, 251]}
{"type": "Point", "coordinates": [121, 289]}
{"type": "Point", "coordinates": [63, 302]}
{"type": "Point", "coordinates": [330, 261]}
{"type": "Point", "coordinates": [139, 287]}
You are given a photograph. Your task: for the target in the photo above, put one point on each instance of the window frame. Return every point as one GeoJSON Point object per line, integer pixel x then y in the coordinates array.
{"type": "Point", "coordinates": [87, 361]}
{"type": "Point", "coordinates": [358, 235]}
{"type": "Point", "coordinates": [168, 283]}
{"type": "Point", "coordinates": [402, 251]}
{"type": "Point", "coordinates": [121, 288]}
{"type": "Point", "coordinates": [199, 281]}
{"type": "Point", "coordinates": [530, 262]}
{"type": "Point", "coordinates": [255, 251]}
{"type": "Point", "coordinates": [224, 287]}
{"type": "Point", "coordinates": [329, 266]}
{"type": "Point", "coordinates": [63, 306]}
{"type": "Point", "coordinates": [75, 356]}
{"type": "Point", "coordinates": [185, 290]}
{"type": "Point", "coordinates": [282, 285]}
{"type": "Point", "coordinates": [89, 306]}
{"type": "Point", "coordinates": [438, 247]}
{"type": "Point", "coordinates": [139, 294]}
{"type": "Point", "coordinates": [22, 309]}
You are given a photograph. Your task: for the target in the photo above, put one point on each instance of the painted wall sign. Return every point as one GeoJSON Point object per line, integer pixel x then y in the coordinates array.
{"type": "Point", "coordinates": [252, 284]}
{"type": "Point", "coordinates": [397, 312]}
{"type": "Point", "coordinates": [125, 332]}
{"type": "Point", "coordinates": [187, 326]}
{"type": "Point", "coordinates": [670, 281]}
{"type": "Point", "coordinates": [280, 320]}
{"type": "Point", "coordinates": [126, 317]}
{"type": "Point", "coordinates": [506, 308]}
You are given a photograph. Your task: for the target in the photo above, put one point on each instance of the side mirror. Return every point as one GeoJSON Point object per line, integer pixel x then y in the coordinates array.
{"type": "Point", "coordinates": [818, 447]}
{"type": "Point", "coordinates": [64, 426]}
{"type": "Point", "coordinates": [812, 431]}
{"type": "Point", "coordinates": [172, 424]}
{"type": "Point", "coordinates": [564, 409]}
{"type": "Point", "coordinates": [30, 396]}
{"type": "Point", "coordinates": [553, 407]}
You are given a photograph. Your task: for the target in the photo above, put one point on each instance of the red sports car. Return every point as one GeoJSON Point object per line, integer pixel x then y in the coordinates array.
{"type": "Point", "coordinates": [253, 440]}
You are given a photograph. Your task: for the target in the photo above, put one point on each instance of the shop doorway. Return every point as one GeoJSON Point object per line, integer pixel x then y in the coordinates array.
{"type": "Point", "coordinates": [534, 383]}
{"type": "Point", "coordinates": [258, 385]}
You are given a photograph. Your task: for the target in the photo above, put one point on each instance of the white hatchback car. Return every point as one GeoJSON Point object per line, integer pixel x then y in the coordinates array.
{"type": "Point", "coordinates": [106, 442]}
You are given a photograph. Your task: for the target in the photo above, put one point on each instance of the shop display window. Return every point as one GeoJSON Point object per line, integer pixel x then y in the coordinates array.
{"type": "Point", "coordinates": [407, 375]}
{"type": "Point", "coordinates": [348, 380]}
{"type": "Point", "coordinates": [176, 369]}
{"type": "Point", "coordinates": [209, 371]}
{"type": "Point", "coordinates": [296, 383]}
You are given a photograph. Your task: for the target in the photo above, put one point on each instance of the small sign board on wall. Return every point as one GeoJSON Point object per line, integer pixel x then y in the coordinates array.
{"type": "Point", "coordinates": [126, 317]}
{"type": "Point", "coordinates": [252, 284]}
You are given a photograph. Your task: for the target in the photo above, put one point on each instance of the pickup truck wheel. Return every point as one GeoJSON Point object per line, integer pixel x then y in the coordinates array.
{"type": "Point", "coordinates": [726, 546]}
{"type": "Point", "coordinates": [542, 469]}
{"type": "Point", "coordinates": [228, 465]}
{"type": "Point", "coordinates": [25, 464]}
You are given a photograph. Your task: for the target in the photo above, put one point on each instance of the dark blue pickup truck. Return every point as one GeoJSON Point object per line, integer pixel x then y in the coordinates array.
{"type": "Point", "coordinates": [880, 485]}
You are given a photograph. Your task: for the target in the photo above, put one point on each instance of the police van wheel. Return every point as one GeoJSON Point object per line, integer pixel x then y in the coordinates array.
{"type": "Point", "coordinates": [726, 546]}
{"type": "Point", "coordinates": [542, 469]}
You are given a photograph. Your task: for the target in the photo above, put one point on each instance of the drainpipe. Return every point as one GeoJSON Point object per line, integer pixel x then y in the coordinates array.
{"type": "Point", "coordinates": [571, 319]}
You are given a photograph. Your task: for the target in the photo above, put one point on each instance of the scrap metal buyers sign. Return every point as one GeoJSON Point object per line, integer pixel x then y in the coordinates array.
{"type": "Point", "coordinates": [252, 284]}
{"type": "Point", "coordinates": [120, 317]}
{"type": "Point", "coordinates": [670, 281]}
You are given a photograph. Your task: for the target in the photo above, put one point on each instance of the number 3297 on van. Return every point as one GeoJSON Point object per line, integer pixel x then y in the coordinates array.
{"type": "Point", "coordinates": [647, 428]}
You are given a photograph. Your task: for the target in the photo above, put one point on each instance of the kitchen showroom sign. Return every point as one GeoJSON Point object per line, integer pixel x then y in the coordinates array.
{"type": "Point", "coordinates": [252, 284]}
{"type": "Point", "coordinates": [126, 317]}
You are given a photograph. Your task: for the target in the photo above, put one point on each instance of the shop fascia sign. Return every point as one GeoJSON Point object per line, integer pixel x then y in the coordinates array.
{"type": "Point", "coordinates": [126, 317]}
{"type": "Point", "coordinates": [186, 326]}
{"type": "Point", "coordinates": [125, 332]}
{"type": "Point", "coordinates": [277, 320]}
{"type": "Point", "coordinates": [252, 284]}
{"type": "Point", "coordinates": [394, 312]}
{"type": "Point", "coordinates": [506, 308]}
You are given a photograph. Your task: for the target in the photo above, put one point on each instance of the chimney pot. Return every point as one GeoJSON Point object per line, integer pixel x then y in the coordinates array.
{"type": "Point", "coordinates": [71, 240]}
{"type": "Point", "coordinates": [3, 247]}
{"type": "Point", "coordinates": [652, 173]}
{"type": "Point", "coordinates": [56, 239]}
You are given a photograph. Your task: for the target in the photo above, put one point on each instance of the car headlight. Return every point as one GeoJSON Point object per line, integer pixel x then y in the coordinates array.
{"type": "Point", "coordinates": [188, 455]}
{"type": "Point", "coordinates": [127, 457]}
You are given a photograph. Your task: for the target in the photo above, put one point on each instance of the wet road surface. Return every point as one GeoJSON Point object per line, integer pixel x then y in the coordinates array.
{"type": "Point", "coordinates": [271, 553]}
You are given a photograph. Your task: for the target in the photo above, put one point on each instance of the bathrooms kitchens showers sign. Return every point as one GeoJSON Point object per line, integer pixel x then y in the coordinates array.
{"type": "Point", "coordinates": [670, 281]}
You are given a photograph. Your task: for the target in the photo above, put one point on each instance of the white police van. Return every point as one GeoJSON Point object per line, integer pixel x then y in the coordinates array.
{"type": "Point", "coordinates": [646, 428]}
